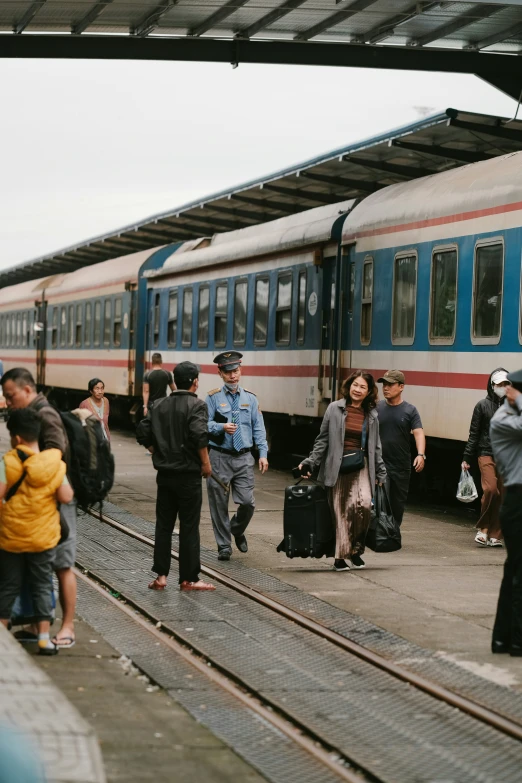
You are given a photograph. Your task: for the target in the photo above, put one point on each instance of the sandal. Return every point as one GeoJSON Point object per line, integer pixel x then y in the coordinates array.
{"type": "Point", "coordinates": [481, 539]}
{"type": "Point", "coordinates": [196, 586]}
{"type": "Point", "coordinates": [495, 542]}
{"type": "Point", "coordinates": [155, 585]}
{"type": "Point", "coordinates": [63, 643]}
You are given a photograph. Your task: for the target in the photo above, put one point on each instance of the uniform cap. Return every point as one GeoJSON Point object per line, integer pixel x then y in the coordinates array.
{"type": "Point", "coordinates": [228, 360]}
{"type": "Point", "coordinates": [392, 376]}
{"type": "Point", "coordinates": [185, 371]}
{"type": "Point", "coordinates": [515, 377]}
{"type": "Point", "coordinates": [500, 376]}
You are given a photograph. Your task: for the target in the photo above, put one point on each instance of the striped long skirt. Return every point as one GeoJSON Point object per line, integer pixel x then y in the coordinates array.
{"type": "Point", "coordinates": [350, 501]}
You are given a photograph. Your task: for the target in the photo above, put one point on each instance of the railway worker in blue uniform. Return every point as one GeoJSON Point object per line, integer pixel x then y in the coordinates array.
{"type": "Point", "coordinates": [235, 425]}
{"type": "Point", "coordinates": [397, 420]}
{"type": "Point", "coordinates": [506, 441]}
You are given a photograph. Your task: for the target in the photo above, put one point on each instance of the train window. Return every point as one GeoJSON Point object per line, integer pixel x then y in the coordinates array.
{"type": "Point", "coordinates": [284, 309]}
{"type": "Point", "coordinates": [301, 308]}
{"type": "Point", "coordinates": [261, 310]}
{"type": "Point", "coordinates": [63, 325]}
{"type": "Point", "coordinates": [79, 326]}
{"type": "Point", "coordinates": [107, 323]}
{"type": "Point", "coordinates": [18, 328]}
{"type": "Point", "coordinates": [404, 299]}
{"type": "Point", "coordinates": [97, 323]}
{"type": "Point", "coordinates": [24, 328]}
{"type": "Point", "coordinates": [116, 326]}
{"type": "Point", "coordinates": [220, 316]}
{"type": "Point", "coordinates": [87, 324]}
{"type": "Point", "coordinates": [156, 321]}
{"type": "Point", "coordinates": [443, 302]}
{"type": "Point", "coordinates": [367, 301]}
{"type": "Point", "coordinates": [204, 303]}
{"type": "Point", "coordinates": [54, 328]}
{"type": "Point", "coordinates": [70, 326]}
{"type": "Point", "coordinates": [240, 312]}
{"type": "Point", "coordinates": [172, 331]}
{"type": "Point", "coordinates": [186, 329]}
{"type": "Point", "coordinates": [487, 292]}
{"type": "Point", "coordinates": [7, 330]}
{"type": "Point", "coordinates": [2, 330]}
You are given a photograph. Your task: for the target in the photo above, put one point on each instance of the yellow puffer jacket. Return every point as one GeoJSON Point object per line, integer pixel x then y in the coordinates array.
{"type": "Point", "coordinates": [30, 519]}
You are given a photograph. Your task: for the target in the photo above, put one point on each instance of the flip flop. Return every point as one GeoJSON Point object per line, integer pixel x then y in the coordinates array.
{"type": "Point", "coordinates": [155, 585]}
{"type": "Point", "coordinates": [26, 637]}
{"type": "Point", "coordinates": [64, 643]}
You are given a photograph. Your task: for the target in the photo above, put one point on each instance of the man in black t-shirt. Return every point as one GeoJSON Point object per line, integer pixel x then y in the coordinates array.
{"type": "Point", "coordinates": [397, 420]}
{"type": "Point", "coordinates": [155, 383]}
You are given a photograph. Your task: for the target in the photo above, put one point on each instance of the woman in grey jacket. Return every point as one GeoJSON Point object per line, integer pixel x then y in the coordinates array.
{"type": "Point", "coordinates": [349, 494]}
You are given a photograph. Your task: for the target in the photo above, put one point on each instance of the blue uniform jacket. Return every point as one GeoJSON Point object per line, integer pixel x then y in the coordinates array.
{"type": "Point", "coordinates": [250, 418]}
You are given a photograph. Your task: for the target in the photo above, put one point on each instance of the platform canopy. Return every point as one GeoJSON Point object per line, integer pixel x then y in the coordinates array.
{"type": "Point", "coordinates": [468, 37]}
{"type": "Point", "coordinates": [431, 145]}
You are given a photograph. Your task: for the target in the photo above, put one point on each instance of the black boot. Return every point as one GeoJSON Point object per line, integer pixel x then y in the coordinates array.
{"type": "Point", "coordinates": [499, 647]}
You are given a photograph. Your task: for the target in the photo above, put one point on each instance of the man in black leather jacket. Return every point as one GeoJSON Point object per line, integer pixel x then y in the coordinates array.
{"type": "Point", "coordinates": [479, 445]}
{"type": "Point", "coordinates": [175, 431]}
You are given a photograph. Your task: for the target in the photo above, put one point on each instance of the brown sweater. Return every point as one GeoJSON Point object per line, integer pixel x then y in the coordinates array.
{"type": "Point", "coordinates": [52, 434]}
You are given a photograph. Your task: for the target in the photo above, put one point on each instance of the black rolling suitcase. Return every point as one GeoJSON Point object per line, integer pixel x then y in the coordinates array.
{"type": "Point", "coordinates": [307, 523]}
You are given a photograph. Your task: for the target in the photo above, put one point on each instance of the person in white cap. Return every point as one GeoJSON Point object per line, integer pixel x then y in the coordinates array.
{"type": "Point", "coordinates": [479, 445]}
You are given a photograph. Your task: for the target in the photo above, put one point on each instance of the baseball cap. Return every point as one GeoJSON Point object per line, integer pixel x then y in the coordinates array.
{"type": "Point", "coordinates": [185, 371]}
{"type": "Point", "coordinates": [499, 376]}
{"type": "Point", "coordinates": [515, 377]}
{"type": "Point", "coordinates": [392, 376]}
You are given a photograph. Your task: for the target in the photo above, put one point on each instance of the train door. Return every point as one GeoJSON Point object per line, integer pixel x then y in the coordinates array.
{"type": "Point", "coordinates": [338, 286]}
{"type": "Point", "coordinates": [130, 317]}
{"type": "Point", "coordinates": [40, 339]}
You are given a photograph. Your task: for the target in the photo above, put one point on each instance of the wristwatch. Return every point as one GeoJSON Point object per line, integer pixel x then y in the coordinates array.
{"type": "Point", "coordinates": [422, 455]}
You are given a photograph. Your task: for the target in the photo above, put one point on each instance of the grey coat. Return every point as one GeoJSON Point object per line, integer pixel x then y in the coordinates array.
{"type": "Point", "coordinates": [328, 446]}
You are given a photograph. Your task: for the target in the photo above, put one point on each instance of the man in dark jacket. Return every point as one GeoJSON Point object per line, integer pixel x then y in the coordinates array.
{"type": "Point", "coordinates": [479, 445]}
{"type": "Point", "coordinates": [176, 433]}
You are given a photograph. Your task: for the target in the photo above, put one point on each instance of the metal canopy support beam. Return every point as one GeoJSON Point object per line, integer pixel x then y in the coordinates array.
{"type": "Point", "coordinates": [270, 18]}
{"type": "Point", "coordinates": [475, 14]}
{"type": "Point", "coordinates": [150, 21]}
{"type": "Point", "coordinates": [499, 131]}
{"type": "Point", "coordinates": [307, 195]}
{"type": "Point", "coordinates": [156, 236]}
{"type": "Point", "coordinates": [508, 32]}
{"type": "Point", "coordinates": [90, 17]}
{"type": "Point", "coordinates": [343, 182]}
{"type": "Point", "coordinates": [277, 206]}
{"type": "Point", "coordinates": [450, 153]}
{"type": "Point", "coordinates": [216, 222]}
{"type": "Point", "coordinates": [27, 18]}
{"type": "Point", "coordinates": [397, 169]}
{"type": "Point", "coordinates": [334, 19]}
{"type": "Point", "coordinates": [134, 240]}
{"type": "Point", "coordinates": [233, 212]}
{"type": "Point", "coordinates": [119, 245]}
{"type": "Point", "coordinates": [175, 227]}
{"type": "Point", "coordinates": [385, 29]}
{"type": "Point", "coordinates": [217, 17]}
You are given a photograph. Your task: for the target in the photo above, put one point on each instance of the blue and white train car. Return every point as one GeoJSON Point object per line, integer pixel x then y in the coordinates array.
{"type": "Point", "coordinates": [437, 272]}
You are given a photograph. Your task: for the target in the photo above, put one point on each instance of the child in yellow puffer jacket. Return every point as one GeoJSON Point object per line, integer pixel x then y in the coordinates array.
{"type": "Point", "coordinates": [31, 484]}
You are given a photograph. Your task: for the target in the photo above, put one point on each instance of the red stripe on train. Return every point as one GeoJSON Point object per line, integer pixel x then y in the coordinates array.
{"type": "Point", "coordinates": [440, 221]}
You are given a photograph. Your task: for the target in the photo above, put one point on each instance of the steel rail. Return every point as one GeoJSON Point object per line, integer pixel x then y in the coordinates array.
{"type": "Point", "coordinates": [214, 672]}
{"type": "Point", "coordinates": [475, 710]}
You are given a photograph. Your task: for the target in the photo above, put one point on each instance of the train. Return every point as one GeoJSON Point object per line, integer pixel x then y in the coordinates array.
{"type": "Point", "coordinates": [423, 276]}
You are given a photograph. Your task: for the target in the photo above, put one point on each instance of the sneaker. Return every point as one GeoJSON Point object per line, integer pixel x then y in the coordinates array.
{"type": "Point", "coordinates": [495, 542]}
{"type": "Point", "coordinates": [481, 538]}
{"type": "Point", "coordinates": [224, 555]}
{"type": "Point", "coordinates": [357, 561]}
{"type": "Point", "coordinates": [341, 565]}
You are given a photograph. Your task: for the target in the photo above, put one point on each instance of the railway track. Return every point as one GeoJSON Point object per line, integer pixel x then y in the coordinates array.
{"type": "Point", "coordinates": [305, 735]}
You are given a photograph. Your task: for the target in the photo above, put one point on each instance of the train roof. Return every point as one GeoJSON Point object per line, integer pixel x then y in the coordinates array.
{"type": "Point", "coordinates": [456, 194]}
{"type": "Point", "coordinates": [303, 229]}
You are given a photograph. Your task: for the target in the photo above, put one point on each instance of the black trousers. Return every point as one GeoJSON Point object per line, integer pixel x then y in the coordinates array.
{"type": "Point", "coordinates": [398, 488]}
{"type": "Point", "coordinates": [178, 493]}
{"type": "Point", "coordinates": [38, 567]}
{"type": "Point", "coordinates": [508, 622]}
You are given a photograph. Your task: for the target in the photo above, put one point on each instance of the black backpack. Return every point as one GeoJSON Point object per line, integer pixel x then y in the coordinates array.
{"type": "Point", "coordinates": [90, 463]}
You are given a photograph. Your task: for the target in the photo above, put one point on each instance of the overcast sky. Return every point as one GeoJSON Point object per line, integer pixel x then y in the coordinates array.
{"type": "Point", "coordinates": [92, 146]}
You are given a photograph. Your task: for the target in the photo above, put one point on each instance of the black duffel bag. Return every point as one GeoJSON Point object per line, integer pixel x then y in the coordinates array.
{"type": "Point", "coordinates": [384, 534]}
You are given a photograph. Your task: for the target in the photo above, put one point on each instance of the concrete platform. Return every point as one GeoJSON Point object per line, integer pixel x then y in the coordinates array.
{"type": "Point", "coordinates": [44, 720]}
{"type": "Point", "coordinates": [440, 591]}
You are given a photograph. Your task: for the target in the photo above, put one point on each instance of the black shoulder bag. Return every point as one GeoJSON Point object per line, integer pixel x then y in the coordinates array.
{"type": "Point", "coordinates": [354, 460]}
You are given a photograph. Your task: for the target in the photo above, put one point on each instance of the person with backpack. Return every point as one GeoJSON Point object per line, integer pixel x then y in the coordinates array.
{"type": "Point", "coordinates": [155, 383]}
{"type": "Point", "coordinates": [31, 484]}
{"type": "Point", "coordinates": [175, 431]}
{"type": "Point", "coordinates": [20, 392]}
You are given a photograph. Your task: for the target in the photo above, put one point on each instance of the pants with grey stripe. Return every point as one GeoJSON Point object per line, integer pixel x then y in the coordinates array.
{"type": "Point", "coordinates": [239, 471]}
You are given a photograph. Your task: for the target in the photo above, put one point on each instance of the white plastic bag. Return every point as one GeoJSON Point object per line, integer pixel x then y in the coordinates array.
{"type": "Point", "coordinates": [466, 491]}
